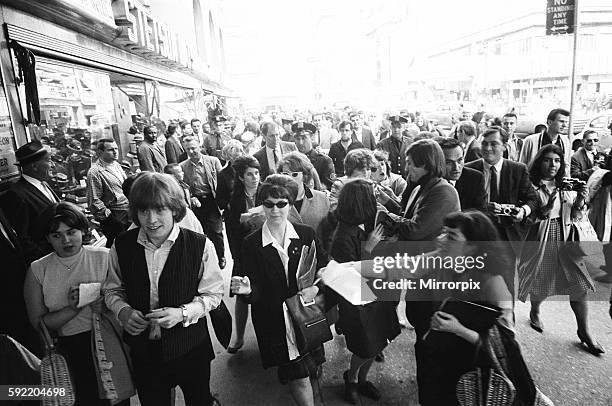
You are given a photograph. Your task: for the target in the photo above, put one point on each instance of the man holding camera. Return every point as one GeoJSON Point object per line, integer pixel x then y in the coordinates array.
{"type": "Point", "coordinates": [511, 197]}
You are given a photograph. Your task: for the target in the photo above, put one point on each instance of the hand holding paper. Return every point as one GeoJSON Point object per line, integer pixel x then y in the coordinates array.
{"type": "Point", "coordinates": [88, 293]}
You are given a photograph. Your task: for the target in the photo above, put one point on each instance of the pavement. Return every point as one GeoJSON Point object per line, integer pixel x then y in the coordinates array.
{"type": "Point", "coordinates": [560, 368]}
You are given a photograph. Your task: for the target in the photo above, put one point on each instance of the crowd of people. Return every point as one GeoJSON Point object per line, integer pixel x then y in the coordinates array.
{"type": "Point", "coordinates": [274, 186]}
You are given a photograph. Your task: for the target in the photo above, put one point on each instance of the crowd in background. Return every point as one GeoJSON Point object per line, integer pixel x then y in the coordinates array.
{"type": "Point", "coordinates": [273, 184]}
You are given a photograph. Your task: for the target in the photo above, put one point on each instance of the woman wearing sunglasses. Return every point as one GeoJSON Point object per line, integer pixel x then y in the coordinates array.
{"type": "Point", "coordinates": [310, 206]}
{"type": "Point", "coordinates": [272, 254]}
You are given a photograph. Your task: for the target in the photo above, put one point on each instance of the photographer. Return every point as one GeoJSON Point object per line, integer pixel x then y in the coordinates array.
{"type": "Point", "coordinates": [545, 268]}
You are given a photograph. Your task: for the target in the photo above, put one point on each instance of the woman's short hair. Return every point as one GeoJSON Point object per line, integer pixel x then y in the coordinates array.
{"type": "Point", "coordinates": [297, 162]}
{"type": "Point", "coordinates": [232, 150]}
{"type": "Point", "coordinates": [242, 163]}
{"type": "Point", "coordinates": [535, 169]}
{"type": "Point", "coordinates": [428, 154]}
{"type": "Point", "coordinates": [357, 203]}
{"type": "Point", "coordinates": [62, 212]}
{"type": "Point", "coordinates": [358, 160]}
{"type": "Point", "coordinates": [278, 187]}
{"type": "Point", "coordinates": [152, 190]}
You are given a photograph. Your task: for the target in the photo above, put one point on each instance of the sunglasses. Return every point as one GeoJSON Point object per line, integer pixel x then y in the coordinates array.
{"type": "Point", "coordinates": [292, 174]}
{"type": "Point", "coordinates": [268, 204]}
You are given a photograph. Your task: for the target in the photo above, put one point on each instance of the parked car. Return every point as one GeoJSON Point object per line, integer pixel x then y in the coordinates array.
{"type": "Point", "coordinates": [599, 122]}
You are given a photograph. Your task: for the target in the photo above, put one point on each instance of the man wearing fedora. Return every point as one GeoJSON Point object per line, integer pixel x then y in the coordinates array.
{"type": "Point", "coordinates": [214, 143]}
{"type": "Point", "coordinates": [30, 196]}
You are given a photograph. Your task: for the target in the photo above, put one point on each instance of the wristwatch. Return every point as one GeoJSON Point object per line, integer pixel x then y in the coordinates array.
{"type": "Point", "coordinates": [184, 309]}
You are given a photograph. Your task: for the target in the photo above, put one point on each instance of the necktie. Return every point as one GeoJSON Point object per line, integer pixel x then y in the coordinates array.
{"type": "Point", "coordinates": [493, 195]}
{"type": "Point", "coordinates": [275, 159]}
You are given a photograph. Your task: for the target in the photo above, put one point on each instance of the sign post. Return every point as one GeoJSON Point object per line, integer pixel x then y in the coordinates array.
{"type": "Point", "coordinates": [562, 18]}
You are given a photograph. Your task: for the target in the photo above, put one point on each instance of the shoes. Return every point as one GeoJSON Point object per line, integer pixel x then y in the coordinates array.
{"type": "Point", "coordinates": [380, 357]}
{"type": "Point", "coordinates": [222, 263]}
{"type": "Point", "coordinates": [235, 349]}
{"type": "Point", "coordinates": [535, 323]}
{"type": "Point", "coordinates": [368, 390]}
{"type": "Point", "coordinates": [351, 390]}
{"type": "Point", "coordinates": [607, 278]}
{"type": "Point", "coordinates": [589, 345]}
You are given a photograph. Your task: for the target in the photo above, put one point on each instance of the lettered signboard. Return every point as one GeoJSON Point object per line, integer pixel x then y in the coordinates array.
{"type": "Point", "coordinates": [560, 17]}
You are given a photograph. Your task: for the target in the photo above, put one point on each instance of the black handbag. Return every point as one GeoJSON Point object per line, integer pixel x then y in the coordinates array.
{"type": "Point", "coordinates": [222, 323]}
{"type": "Point", "coordinates": [309, 322]}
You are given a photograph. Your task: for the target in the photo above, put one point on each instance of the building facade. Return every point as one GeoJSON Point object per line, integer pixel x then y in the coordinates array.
{"type": "Point", "coordinates": [75, 71]}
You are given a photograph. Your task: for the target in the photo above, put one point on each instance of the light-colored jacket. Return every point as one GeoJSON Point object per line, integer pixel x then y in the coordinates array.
{"type": "Point", "coordinates": [212, 167]}
{"type": "Point", "coordinates": [533, 142]}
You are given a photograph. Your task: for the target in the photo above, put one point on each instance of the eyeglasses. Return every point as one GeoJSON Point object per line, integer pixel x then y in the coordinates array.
{"type": "Point", "coordinates": [268, 204]}
{"type": "Point", "coordinates": [292, 174]}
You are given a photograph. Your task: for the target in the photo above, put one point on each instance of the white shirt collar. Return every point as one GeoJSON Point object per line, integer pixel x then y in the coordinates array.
{"type": "Point", "coordinates": [498, 165]}
{"type": "Point", "coordinates": [277, 149]}
{"type": "Point", "coordinates": [267, 238]}
{"type": "Point", "coordinates": [143, 240]}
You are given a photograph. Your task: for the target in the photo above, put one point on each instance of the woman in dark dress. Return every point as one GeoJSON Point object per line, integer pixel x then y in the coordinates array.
{"type": "Point", "coordinates": [225, 179]}
{"type": "Point", "coordinates": [472, 234]}
{"type": "Point", "coordinates": [367, 328]}
{"type": "Point", "coordinates": [243, 198]}
{"type": "Point", "coordinates": [270, 258]}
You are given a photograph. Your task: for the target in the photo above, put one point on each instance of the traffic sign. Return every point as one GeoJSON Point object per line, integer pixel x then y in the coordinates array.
{"type": "Point", "coordinates": [560, 16]}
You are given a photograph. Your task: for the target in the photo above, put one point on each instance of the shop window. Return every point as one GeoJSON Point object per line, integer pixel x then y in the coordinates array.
{"type": "Point", "coordinates": [76, 110]}
{"type": "Point", "coordinates": [8, 168]}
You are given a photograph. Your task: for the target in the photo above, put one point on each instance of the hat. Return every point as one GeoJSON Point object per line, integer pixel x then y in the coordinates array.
{"type": "Point", "coordinates": [287, 121]}
{"type": "Point", "coordinates": [355, 113]}
{"type": "Point", "coordinates": [74, 146]}
{"type": "Point", "coordinates": [397, 120]}
{"type": "Point", "coordinates": [31, 152]}
{"type": "Point", "coordinates": [301, 126]}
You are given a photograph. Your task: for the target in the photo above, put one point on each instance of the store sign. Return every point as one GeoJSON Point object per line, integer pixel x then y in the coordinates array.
{"type": "Point", "coordinates": [560, 17]}
{"type": "Point", "coordinates": [101, 9]}
{"type": "Point", "coordinates": [146, 35]}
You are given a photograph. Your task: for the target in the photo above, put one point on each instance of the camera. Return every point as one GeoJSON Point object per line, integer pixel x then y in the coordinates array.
{"type": "Point", "coordinates": [509, 209]}
{"type": "Point", "coordinates": [572, 184]}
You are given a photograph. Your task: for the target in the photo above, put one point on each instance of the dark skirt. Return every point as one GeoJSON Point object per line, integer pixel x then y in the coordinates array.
{"type": "Point", "coordinates": [552, 278]}
{"type": "Point", "coordinates": [368, 328]}
{"type": "Point", "coordinates": [302, 367]}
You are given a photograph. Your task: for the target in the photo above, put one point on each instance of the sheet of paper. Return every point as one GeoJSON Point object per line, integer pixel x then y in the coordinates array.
{"type": "Point", "coordinates": [346, 280]}
{"type": "Point", "coordinates": [88, 293]}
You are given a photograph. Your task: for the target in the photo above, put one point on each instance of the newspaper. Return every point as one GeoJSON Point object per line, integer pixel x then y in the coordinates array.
{"type": "Point", "coordinates": [347, 281]}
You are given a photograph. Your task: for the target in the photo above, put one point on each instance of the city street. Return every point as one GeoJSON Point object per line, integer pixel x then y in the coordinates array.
{"type": "Point", "coordinates": [562, 371]}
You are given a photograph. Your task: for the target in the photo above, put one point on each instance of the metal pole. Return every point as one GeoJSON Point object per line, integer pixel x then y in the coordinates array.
{"type": "Point", "coordinates": [573, 88]}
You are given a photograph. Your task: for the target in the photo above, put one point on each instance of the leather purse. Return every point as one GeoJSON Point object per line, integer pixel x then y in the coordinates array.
{"type": "Point", "coordinates": [222, 324]}
{"type": "Point", "coordinates": [309, 322]}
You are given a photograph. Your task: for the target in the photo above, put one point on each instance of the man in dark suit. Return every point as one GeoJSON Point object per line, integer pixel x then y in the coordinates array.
{"type": "Point", "coordinates": [303, 135]}
{"type": "Point", "coordinates": [174, 150]}
{"type": "Point", "coordinates": [273, 151]}
{"type": "Point", "coordinates": [362, 133]}
{"type": "Point", "coordinates": [583, 160]}
{"type": "Point", "coordinates": [466, 134]}
{"type": "Point", "coordinates": [29, 197]}
{"type": "Point", "coordinates": [506, 182]}
{"type": "Point", "coordinates": [396, 145]}
{"type": "Point", "coordinates": [13, 313]}
{"type": "Point", "coordinates": [468, 182]}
